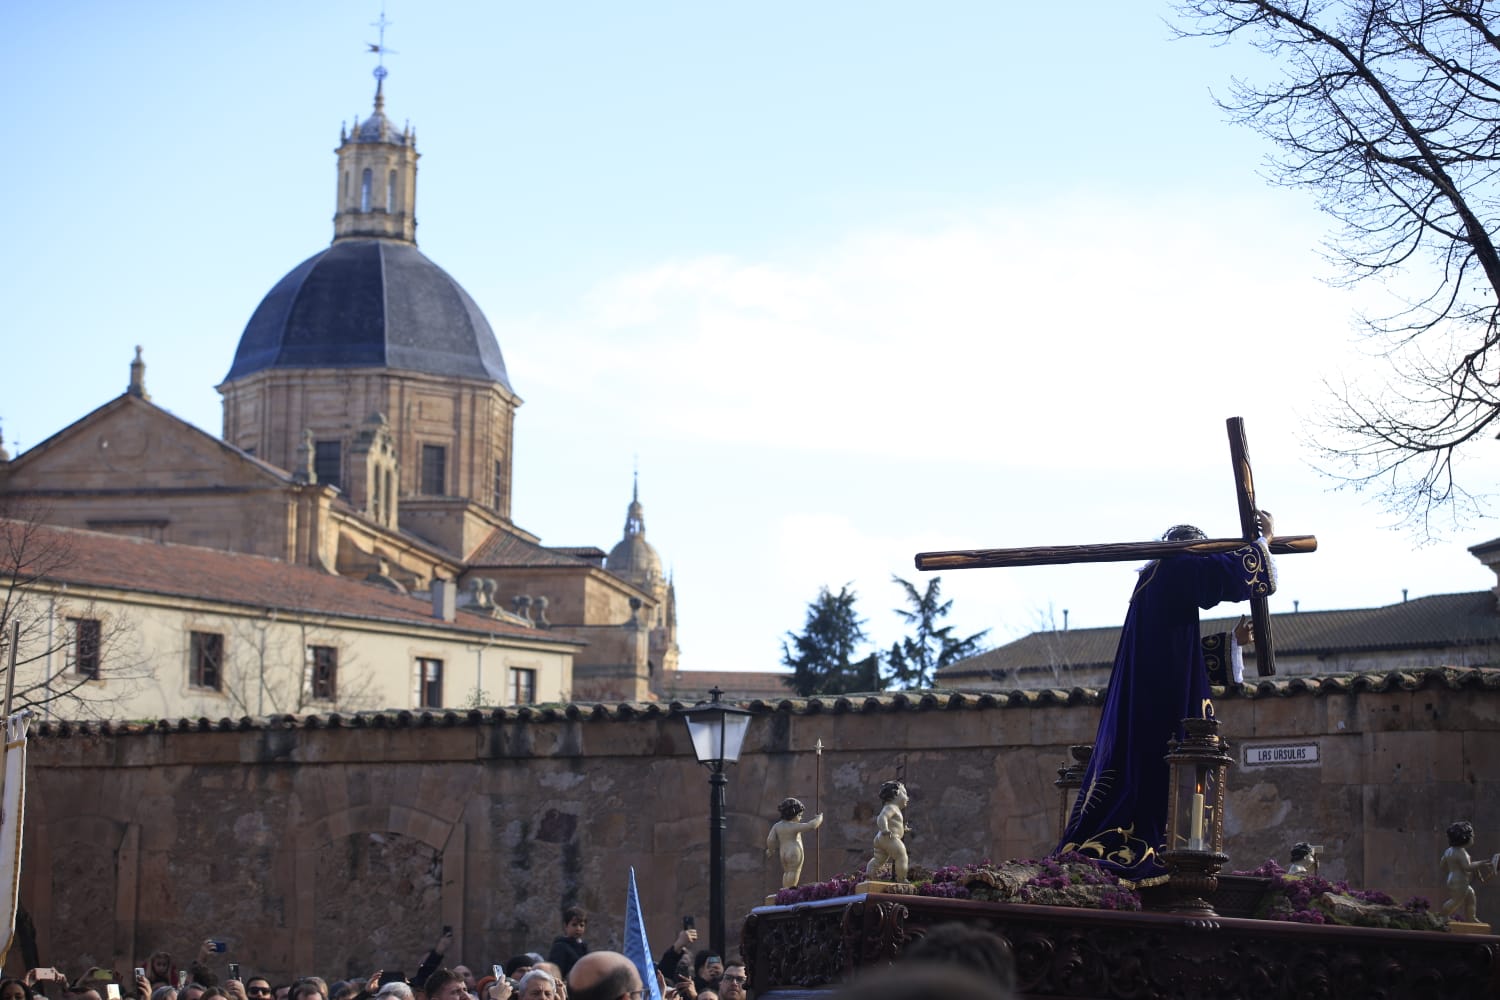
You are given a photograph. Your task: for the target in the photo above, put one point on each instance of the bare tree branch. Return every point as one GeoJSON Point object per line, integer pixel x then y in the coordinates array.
{"type": "Point", "coordinates": [1389, 110]}
{"type": "Point", "coordinates": [75, 658]}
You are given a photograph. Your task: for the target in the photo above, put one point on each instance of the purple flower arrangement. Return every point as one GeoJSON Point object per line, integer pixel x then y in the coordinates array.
{"type": "Point", "coordinates": [1312, 899]}
{"type": "Point", "coordinates": [839, 885]}
{"type": "Point", "coordinates": [1068, 880]}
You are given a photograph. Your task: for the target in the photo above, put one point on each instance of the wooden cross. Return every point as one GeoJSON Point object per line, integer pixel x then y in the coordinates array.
{"type": "Point", "coordinates": [1244, 488]}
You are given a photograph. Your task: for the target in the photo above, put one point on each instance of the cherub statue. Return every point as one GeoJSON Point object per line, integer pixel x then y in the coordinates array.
{"type": "Point", "coordinates": [786, 836]}
{"type": "Point", "coordinates": [1456, 867]}
{"type": "Point", "coordinates": [1303, 861]}
{"type": "Point", "coordinates": [890, 827]}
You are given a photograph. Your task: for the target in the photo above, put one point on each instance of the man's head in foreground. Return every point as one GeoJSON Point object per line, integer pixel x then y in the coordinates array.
{"type": "Point", "coordinates": [604, 975]}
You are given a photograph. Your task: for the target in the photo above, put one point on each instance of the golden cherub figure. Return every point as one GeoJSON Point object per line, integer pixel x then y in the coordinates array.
{"type": "Point", "coordinates": [786, 837]}
{"type": "Point", "coordinates": [890, 827]}
{"type": "Point", "coordinates": [1456, 869]}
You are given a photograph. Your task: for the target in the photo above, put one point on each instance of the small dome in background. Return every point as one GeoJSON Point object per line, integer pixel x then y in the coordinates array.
{"type": "Point", "coordinates": [633, 559]}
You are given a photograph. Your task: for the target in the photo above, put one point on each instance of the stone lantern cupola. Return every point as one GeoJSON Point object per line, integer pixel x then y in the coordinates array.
{"type": "Point", "coordinates": [377, 182]}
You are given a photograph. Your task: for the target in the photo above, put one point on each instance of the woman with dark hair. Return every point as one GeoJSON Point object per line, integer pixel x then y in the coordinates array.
{"type": "Point", "coordinates": [13, 989]}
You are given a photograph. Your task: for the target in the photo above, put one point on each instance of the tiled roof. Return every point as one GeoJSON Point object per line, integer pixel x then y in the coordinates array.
{"type": "Point", "coordinates": [504, 548]}
{"type": "Point", "coordinates": [1438, 622]}
{"type": "Point", "coordinates": [370, 303]}
{"type": "Point", "coordinates": [751, 682]}
{"type": "Point", "coordinates": [937, 700]}
{"type": "Point", "coordinates": [138, 565]}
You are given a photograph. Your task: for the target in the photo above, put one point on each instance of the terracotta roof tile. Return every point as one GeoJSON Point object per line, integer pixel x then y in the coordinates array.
{"type": "Point", "coordinates": [1437, 622]}
{"type": "Point", "coordinates": [937, 700]}
{"type": "Point", "coordinates": [504, 548]}
{"type": "Point", "coordinates": [747, 683]}
{"type": "Point", "coordinates": [138, 565]}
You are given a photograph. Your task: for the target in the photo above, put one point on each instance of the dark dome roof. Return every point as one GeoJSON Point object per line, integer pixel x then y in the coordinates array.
{"type": "Point", "coordinates": [370, 303]}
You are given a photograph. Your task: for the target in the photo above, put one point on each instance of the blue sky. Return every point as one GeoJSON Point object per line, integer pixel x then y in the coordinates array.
{"type": "Point", "coordinates": [850, 281]}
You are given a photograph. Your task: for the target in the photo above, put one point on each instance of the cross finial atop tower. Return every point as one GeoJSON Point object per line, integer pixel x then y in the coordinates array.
{"type": "Point", "coordinates": [380, 50]}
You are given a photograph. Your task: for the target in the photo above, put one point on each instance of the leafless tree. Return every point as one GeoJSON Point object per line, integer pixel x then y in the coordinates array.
{"type": "Point", "coordinates": [74, 658]}
{"type": "Point", "coordinates": [1390, 111]}
{"type": "Point", "coordinates": [268, 667]}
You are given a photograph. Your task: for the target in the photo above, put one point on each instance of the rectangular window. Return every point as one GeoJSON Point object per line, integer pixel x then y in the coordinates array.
{"type": "Point", "coordinates": [322, 672]}
{"type": "Point", "coordinates": [85, 636]}
{"type": "Point", "coordinates": [499, 503]}
{"type": "Point", "coordinates": [429, 683]}
{"type": "Point", "coordinates": [206, 660]}
{"type": "Point", "coordinates": [328, 463]}
{"type": "Point", "coordinates": [434, 470]}
{"type": "Point", "coordinates": [522, 686]}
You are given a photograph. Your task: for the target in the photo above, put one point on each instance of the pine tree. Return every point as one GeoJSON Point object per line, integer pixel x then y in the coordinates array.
{"type": "Point", "coordinates": [822, 658]}
{"type": "Point", "coordinates": [914, 661]}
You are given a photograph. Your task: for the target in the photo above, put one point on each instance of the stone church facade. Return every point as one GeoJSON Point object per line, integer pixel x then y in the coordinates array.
{"type": "Point", "coordinates": [368, 431]}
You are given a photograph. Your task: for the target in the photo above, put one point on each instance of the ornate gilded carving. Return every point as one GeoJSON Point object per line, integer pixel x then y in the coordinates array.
{"type": "Point", "coordinates": [1150, 956]}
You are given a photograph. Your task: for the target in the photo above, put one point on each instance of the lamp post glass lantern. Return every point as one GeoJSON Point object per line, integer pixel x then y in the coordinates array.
{"type": "Point", "coordinates": [718, 734]}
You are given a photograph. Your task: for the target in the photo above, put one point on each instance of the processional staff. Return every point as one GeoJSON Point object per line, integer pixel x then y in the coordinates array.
{"type": "Point", "coordinates": [817, 809]}
{"type": "Point", "coordinates": [1045, 555]}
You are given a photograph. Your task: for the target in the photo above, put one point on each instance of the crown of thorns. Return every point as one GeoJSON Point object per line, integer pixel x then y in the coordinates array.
{"type": "Point", "coordinates": [1183, 533]}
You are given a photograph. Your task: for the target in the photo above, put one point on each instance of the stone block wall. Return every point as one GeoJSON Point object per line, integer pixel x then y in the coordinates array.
{"type": "Point", "coordinates": [337, 848]}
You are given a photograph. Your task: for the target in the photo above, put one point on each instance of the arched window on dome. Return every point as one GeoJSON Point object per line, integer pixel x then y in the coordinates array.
{"type": "Point", "coordinates": [390, 193]}
{"type": "Point", "coordinates": [364, 190]}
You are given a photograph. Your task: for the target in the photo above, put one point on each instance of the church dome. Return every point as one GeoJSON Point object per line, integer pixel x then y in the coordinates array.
{"type": "Point", "coordinates": [633, 558]}
{"type": "Point", "coordinates": [366, 303]}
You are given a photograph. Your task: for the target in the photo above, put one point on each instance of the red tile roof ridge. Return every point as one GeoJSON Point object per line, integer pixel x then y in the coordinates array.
{"type": "Point", "coordinates": [937, 699]}
{"type": "Point", "coordinates": [174, 569]}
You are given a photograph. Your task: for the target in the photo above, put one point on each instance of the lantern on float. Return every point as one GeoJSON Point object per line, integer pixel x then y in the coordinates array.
{"type": "Point", "coordinates": [1199, 764]}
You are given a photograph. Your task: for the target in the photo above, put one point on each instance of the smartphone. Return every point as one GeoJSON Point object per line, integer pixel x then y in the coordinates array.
{"type": "Point", "coordinates": [234, 970]}
{"type": "Point", "coordinates": [112, 991]}
{"type": "Point", "coordinates": [218, 946]}
{"type": "Point", "coordinates": [688, 923]}
{"type": "Point", "coordinates": [498, 971]}
{"type": "Point", "coordinates": [181, 979]}
{"type": "Point", "coordinates": [140, 973]}
{"type": "Point", "coordinates": [392, 976]}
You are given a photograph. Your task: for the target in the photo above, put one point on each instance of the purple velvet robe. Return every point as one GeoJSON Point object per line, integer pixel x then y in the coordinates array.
{"type": "Point", "coordinates": [1159, 679]}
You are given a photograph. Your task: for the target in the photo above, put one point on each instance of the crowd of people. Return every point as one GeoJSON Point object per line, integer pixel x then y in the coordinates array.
{"type": "Point", "coordinates": [570, 971]}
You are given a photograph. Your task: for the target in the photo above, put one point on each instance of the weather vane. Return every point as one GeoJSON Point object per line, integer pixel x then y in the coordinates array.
{"type": "Point", "coordinates": [379, 47]}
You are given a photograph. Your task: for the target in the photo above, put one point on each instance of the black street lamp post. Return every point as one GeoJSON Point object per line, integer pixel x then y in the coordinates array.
{"type": "Point", "coordinates": [718, 732]}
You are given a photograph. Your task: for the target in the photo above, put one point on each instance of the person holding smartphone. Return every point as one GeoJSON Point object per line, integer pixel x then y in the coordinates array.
{"type": "Point", "coordinates": [674, 962]}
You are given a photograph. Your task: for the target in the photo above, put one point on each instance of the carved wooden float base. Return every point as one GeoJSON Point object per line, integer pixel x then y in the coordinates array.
{"type": "Point", "coordinates": [1464, 927]}
{"type": "Point", "coordinates": [808, 949]}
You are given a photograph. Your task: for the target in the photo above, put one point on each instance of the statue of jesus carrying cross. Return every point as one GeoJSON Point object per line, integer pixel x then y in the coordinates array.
{"type": "Point", "coordinates": [1159, 676]}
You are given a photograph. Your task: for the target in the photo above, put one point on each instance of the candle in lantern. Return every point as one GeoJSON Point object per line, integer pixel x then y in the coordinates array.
{"type": "Point", "coordinates": [1195, 841]}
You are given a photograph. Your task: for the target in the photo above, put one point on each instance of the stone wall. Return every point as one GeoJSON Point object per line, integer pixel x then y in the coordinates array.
{"type": "Point", "coordinates": [336, 845]}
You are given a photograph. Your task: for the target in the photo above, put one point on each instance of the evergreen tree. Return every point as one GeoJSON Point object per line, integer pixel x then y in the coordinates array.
{"type": "Point", "coordinates": [914, 660]}
{"type": "Point", "coordinates": [822, 658]}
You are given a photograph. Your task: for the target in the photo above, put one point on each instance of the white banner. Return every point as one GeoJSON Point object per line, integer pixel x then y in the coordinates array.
{"type": "Point", "coordinates": [13, 804]}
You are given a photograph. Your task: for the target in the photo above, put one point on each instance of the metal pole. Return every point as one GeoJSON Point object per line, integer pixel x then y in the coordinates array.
{"type": "Point", "coordinates": [818, 808]}
{"type": "Point", "coordinates": [716, 824]}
